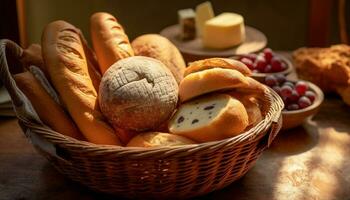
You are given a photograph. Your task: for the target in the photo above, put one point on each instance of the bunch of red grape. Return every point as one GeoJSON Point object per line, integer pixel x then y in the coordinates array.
{"type": "Point", "coordinates": [265, 62]}
{"type": "Point", "coordinates": [295, 95]}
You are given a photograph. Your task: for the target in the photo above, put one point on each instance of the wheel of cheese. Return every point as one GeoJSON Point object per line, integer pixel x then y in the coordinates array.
{"type": "Point", "coordinates": [217, 63]}
{"type": "Point", "coordinates": [210, 80]}
{"type": "Point", "coordinates": [158, 139]}
{"type": "Point", "coordinates": [138, 93]}
{"type": "Point", "coordinates": [210, 118]}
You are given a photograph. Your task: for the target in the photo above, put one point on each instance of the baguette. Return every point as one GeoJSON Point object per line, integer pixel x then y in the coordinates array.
{"type": "Point", "coordinates": [109, 40]}
{"type": "Point", "coordinates": [67, 67]}
{"type": "Point", "coordinates": [42, 101]}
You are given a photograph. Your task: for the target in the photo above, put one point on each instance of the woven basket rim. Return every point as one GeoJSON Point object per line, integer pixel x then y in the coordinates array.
{"type": "Point", "coordinates": [254, 133]}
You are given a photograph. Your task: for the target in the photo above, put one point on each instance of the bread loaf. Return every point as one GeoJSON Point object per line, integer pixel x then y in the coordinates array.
{"type": "Point", "coordinates": [217, 63]}
{"type": "Point", "coordinates": [160, 48]}
{"type": "Point", "coordinates": [138, 93]}
{"type": "Point", "coordinates": [210, 80]}
{"type": "Point", "coordinates": [210, 118]}
{"type": "Point", "coordinates": [49, 112]}
{"type": "Point", "coordinates": [109, 40]}
{"type": "Point", "coordinates": [67, 67]}
{"type": "Point", "coordinates": [158, 139]}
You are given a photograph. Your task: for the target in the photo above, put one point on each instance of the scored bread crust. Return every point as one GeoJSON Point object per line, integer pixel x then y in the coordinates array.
{"type": "Point", "coordinates": [210, 80]}
{"type": "Point", "coordinates": [41, 101]}
{"type": "Point", "coordinates": [217, 63]}
{"type": "Point", "coordinates": [160, 48]}
{"type": "Point", "coordinates": [67, 67]}
{"type": "Point", "coordinates": [231, 121]}
{"type": "Point", "coordinates": [158, 139]}
{"type": "Point", "coordinates": [138, 93]}
{"type": "Point", "coordinates": [109, 40]}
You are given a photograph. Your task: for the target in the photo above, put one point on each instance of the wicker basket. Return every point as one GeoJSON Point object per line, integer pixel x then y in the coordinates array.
{"type": "Point", "coordinates": [167, 172]}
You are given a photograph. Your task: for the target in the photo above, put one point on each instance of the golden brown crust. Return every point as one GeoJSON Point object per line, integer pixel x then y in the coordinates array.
{"type": "Point", "coordinates": [67, 67]}
{"type": "Point", "coordinates": [32, 56]}
{"type": "Point", "coordinates": [109, 40]}
{"type": "Point", "coordinates": [158, 139]}
{"type": "Point", "coordinates": [160, 48]}
{"type": "Point", "coordinates": [56, 118]}
{"type": "Point", "coordinates": [217, 63]}
{"type": "Point", "coordinates": [210, 80]}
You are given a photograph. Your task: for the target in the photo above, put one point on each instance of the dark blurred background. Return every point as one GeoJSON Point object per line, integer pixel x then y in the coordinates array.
{"type": "Point", "coordinates": [287, 24]}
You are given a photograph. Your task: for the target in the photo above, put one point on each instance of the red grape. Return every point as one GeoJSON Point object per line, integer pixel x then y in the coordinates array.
{"type": "Point", "coordinates": [276, 64]}
{"type": "Point", "coordinates": [293, 106]}
{"type": "Point", "coordinates": [286, 91]}
{"type": "Point", "coordinates": [311, 95]}
{"type": "Point", "coordinates": [301, 87]}
{"type": "Point", "coordinates": [280, 78]}
{"type": "Point", "coordinates": [304, 102]}
{"type": "Point", "coordinates": [260, 63]}
{"type": "Point", "coordinates": [251, 57]}
{"type": "Point", "coordinates": [271, 81]}
{"type": "Point", "coordinates": [248, 62]}
{"type": "Point", "coordinates": [268, 69]}
{"type": "Point", "coordinates": [268, 54]}
{"type": "Point", "coordinates": [294, 97]}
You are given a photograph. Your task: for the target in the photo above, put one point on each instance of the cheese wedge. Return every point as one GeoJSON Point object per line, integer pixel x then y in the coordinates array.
{"type": "Point", "coordinates": [210, 118]}
{"type": "Point", "coordinates": [204, 12]}
{"type": "Point", "coordinates": [224, 31]}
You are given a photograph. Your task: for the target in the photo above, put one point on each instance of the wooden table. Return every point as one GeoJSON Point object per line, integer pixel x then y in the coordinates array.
{"type": "Point", "coordinates": [310, 162]}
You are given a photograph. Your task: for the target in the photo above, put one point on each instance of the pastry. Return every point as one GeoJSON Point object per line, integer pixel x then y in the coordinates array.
{"type": "Point", "coordinates": [210, 118]}
{"type": "Point", "coordinates": [138, 93]}
{"type": "Point", "coordinates": [109, 40]}
{"type": "Point", "coordinates": [210, 80]}
{"type": "Point", "coordinates": [49, 112]}
{"type": "Point", "coordinates": [160, 48]}
{"type": "Point", "coordinates": [158, 139]}
{"type": "Point", "coordinates": [67, 67]}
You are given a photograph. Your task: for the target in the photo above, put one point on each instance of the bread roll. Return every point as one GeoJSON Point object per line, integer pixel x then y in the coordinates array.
{"type": "Point", "coordinates": [210, 118]}
{"type": "Point", "coordinates": [67, 67]}
{"type": "Point", "coordinates": [109, 40]}
{"type": "Point", "coordinates": [217, 63]}
{"type": "Point", "coordinates": [138, 93]}
{"type": "Point", "coordinates": [160, 48]}
{"type": "Point", "coordinates": [210, 80]}
{"type": "Point", "coordinates": [251, 105]}
{"type": "Point", "coordinates": [49, 112]}
{"type": "Point", "coordinates": [158, 139]}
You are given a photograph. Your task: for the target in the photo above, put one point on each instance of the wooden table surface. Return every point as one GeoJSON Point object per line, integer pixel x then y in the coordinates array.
{"type": "Point", "coordinates": [309, 162]}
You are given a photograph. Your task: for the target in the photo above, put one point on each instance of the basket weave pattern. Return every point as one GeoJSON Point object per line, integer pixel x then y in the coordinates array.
{"type": "Point", "coordinates": [176, 172]}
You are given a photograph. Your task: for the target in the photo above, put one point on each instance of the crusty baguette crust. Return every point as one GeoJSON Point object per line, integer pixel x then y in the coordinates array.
{"type": "Point", "coordinates": [49, 112]}
{"type": "Point", "coordinates": [160, 48]}
{"type": "Point", "coordinates": [217, 63]}
{"type": "Point", "coordinates": [109, 40]}
{"type": "Point", "coordinates": [67, 67]}
{"type": "Point", "coordinates": [210, 80]}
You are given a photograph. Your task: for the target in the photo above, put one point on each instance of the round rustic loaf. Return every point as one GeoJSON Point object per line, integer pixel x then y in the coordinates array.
{"type": "Point", "coordinates": [160, 48]}
{"type": "Point", "coordinates": [138, 93]}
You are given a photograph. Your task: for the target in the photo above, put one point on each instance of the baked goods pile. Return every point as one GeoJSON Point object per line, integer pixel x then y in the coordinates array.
{"type": "Point", "coordinates": [139, 94]}
{"type": "Point", "coordinates": [329, 68]}
{"type": "Point", "coordinates": [216, 32]}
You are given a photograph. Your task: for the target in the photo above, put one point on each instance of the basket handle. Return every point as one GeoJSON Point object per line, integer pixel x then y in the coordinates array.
{"type": "Point", "coordinates": [275, 128]}
{"type": "Point", "coordinates": [10, 54]}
